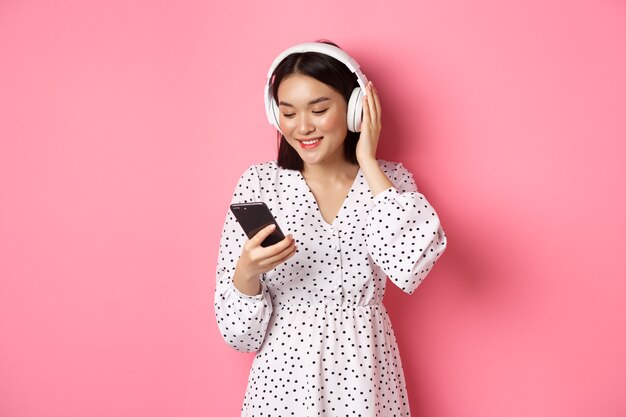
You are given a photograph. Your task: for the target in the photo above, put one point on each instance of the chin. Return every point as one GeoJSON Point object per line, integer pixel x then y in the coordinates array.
{"type": "Point", "coordinates": [311, 161]}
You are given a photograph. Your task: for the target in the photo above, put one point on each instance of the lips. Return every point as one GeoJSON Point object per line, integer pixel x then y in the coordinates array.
{"type": "Point", "coordinates": [310, 143]}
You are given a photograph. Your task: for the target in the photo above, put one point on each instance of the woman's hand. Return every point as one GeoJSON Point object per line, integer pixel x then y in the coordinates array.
{"type": "Point", "coordinates": [368, 143]}
{"type": "Point", "coordinates": [255, 259]}
{"type": "Point", "coordinates": [370, 127]}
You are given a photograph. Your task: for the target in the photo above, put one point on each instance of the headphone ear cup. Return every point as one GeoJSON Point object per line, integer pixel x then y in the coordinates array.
{"type": "Point", "coordinates": [355, 110]}
{"type": "Point", "coordinates": [274, 116]}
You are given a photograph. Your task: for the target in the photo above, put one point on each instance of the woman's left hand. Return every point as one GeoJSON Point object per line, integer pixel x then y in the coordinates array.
{"type": "Point", "coordinates": [370, 127]}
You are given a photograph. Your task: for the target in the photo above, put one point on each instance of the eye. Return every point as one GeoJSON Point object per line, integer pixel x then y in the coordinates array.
{"type": "Point", "coordinates": [289, 115]}
{"type": "Point", "coordinates": [320, 111]}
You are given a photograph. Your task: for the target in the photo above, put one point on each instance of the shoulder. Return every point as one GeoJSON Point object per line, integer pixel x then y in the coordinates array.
{"type": "Point", "coordinates": [261, 174]}
{"type": "Point", "coordinates": [254, 179]}
{"type": "Point", "coordinates": [260, 168]}
{"type": "Point", "coordinates": [271, 165]}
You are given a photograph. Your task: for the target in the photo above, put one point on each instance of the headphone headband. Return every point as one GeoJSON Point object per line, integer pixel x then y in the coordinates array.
{"type": "Point", "coordinates": [354, 104]}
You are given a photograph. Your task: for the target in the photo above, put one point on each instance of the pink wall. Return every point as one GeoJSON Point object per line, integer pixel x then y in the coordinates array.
{"type": "Point", "coordinates": [124, 126]}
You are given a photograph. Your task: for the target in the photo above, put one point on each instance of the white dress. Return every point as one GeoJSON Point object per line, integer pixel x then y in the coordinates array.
{"type": "Point", "coordinates": [323, 340]}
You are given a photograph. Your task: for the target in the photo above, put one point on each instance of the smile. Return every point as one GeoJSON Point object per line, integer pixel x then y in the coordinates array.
{"type": "Point", "coordinates": [309, 143]}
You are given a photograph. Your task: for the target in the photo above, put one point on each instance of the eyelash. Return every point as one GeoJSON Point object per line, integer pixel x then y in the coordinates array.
{"type": "Point", "coordinates": [318, 113]}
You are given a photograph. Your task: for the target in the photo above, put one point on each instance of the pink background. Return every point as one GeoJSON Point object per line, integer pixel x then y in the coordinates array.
{"type": "Point", "coordinates": [124, 126]}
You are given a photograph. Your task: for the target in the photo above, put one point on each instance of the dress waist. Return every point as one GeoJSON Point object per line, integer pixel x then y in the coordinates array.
{"type": "Point", "coordinates": [325, 305]}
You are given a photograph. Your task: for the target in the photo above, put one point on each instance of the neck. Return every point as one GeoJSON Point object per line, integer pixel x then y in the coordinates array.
{"type": "Point", "coordinates": [330, 170]}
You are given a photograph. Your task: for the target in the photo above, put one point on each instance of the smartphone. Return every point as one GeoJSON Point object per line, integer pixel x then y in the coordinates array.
{"type": "Point", "coordinates": [255, 216]}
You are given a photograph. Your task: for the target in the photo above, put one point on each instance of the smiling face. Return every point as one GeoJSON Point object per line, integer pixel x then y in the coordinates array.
{"type": "Point", "coordinates": [312, 118]}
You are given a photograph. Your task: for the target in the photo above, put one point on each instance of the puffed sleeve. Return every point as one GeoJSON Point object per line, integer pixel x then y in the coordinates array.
{"type": "Point", "coordinates": [242, 319]}
{"type": "Point", "coordinates": [404, 235]}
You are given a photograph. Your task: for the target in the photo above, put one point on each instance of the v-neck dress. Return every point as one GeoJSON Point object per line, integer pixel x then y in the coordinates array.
{"type": "Point", "coordinates": [323, 339]}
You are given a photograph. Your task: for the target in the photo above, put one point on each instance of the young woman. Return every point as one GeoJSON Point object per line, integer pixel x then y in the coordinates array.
{"type": "Point", "coordinates": [311, 305]}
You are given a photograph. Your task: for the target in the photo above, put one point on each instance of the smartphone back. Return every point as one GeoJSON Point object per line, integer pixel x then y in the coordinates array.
{"type": "Point", "coordinates": [255, 216]}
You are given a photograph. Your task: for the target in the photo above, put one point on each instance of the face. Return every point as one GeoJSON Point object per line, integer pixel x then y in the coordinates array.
{"type": "Point", "coordinates": [312, 118]}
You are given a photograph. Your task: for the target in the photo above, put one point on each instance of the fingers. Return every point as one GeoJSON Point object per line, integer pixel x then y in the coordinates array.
{"type": "Point", "coordinates": [282, 256]}
{"type": "Point", "coordinates": [366, 111]}
{"type": "Point", "coordinates": [269, 257]}
{"type": "Point", "coordinates": [280, 246]}
{"type": "Point", "coordinates": [373, 102]}
{"type": "Point", "coordinates": [262, 234]}
{"type": "Point", "coordinates": [280, 261]}
{"type": "Point", "coordinates": [376, 101]}
{"type": "Point", "coordinates": [371, 105]}
{"type": "Point", "coordinates": [254, 244]}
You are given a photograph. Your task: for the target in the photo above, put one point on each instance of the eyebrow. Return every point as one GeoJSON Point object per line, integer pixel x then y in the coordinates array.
{"type": "Point", "coordinates": [317, 100]}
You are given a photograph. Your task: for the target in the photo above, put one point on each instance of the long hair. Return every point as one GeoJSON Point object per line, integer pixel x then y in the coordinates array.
{"type": "Point", "coordinates": [331, 72]}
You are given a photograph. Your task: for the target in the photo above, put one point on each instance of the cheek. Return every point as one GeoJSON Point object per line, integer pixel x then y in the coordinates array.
{"type": "Point", "coordinates": [286, 125]}
{"type": "Point", "coordinates": [334, 121]}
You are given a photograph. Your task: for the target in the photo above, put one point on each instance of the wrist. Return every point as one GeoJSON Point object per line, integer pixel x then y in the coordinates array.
{"type": "Point", "coordinates": [369, 162]}
{"type": "Point", "coordinates": [375, 177]}
{"type": "Point", "coordinates": [247, 284]}
{"type": "Point", "coordinates": [243, 275]}
{"type": "Point", "coordinates": [369, 165]}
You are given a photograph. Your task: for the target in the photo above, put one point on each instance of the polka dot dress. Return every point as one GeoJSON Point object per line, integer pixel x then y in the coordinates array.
{"type": "Point", "coordinates": [325, 345]}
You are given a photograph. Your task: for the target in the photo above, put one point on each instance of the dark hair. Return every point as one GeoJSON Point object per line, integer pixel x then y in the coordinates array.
{"type": "Point", "coordinates": [331, 72]}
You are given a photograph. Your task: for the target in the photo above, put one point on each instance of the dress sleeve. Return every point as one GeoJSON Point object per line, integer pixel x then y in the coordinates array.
{"type": "Point", "coordinates": [242, 319]}
{"type": "Point", "coordinates": [404, 235]}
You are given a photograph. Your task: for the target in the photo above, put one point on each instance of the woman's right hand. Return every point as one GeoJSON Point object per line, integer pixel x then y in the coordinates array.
{"type": "Point", "coordinates": [255, 259]}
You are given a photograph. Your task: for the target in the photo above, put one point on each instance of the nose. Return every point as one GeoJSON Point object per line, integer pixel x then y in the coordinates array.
{"type": "Point", "coordinates": [305, 126]}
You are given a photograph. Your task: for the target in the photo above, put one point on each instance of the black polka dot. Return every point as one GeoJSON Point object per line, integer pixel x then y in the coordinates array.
{"type": "Point", "coordinates": [323, 339]}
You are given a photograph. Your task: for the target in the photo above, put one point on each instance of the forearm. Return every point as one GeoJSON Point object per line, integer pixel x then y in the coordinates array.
{"type": "Point", "coordinates": [376, 178]}
{"type": "Point", "coordinates": [246, 284]}
{"type": "Point", "coordinates": [241, 318]}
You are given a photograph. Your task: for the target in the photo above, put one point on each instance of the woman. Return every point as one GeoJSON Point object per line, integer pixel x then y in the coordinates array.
{"type": "Point", "coordinates": [311, 305]}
